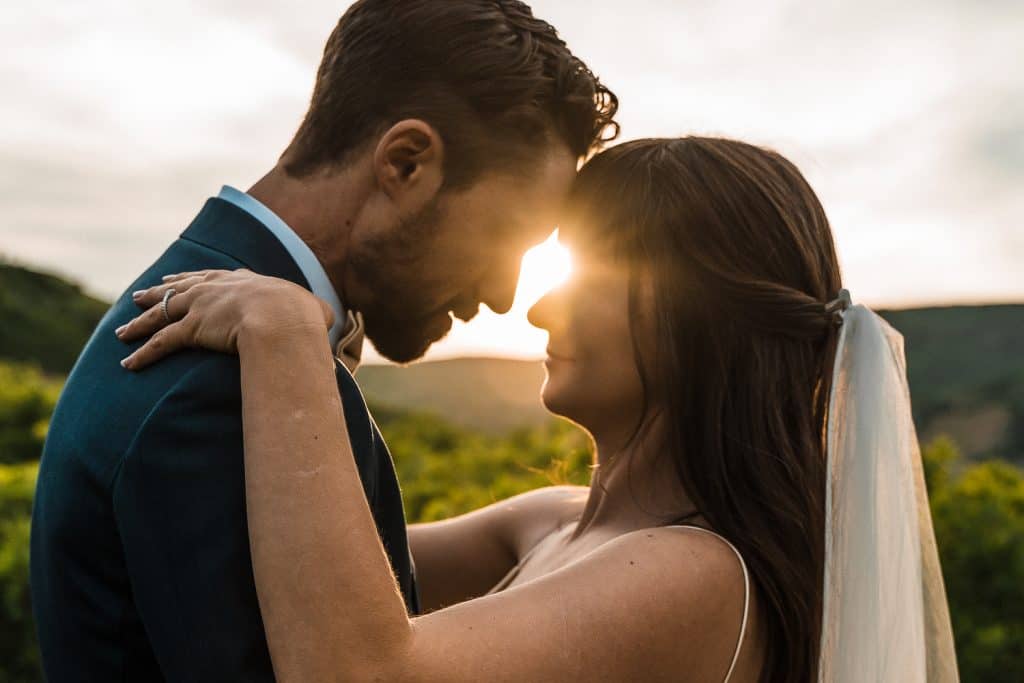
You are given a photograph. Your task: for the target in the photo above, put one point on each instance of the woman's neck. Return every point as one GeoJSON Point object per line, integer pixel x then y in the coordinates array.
{"type": "Point", "coordinates": [635, 486]}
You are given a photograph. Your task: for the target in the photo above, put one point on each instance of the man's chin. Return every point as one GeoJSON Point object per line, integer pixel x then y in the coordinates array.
{"type": "Point", "coordinates": [409, 342]}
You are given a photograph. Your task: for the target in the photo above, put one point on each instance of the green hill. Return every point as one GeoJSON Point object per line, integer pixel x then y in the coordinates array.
{"type": "Point", "coordinates": [966, 376]}
{"type": "Point", "coordinates": [965, 365]}
{"type": "Point", "coordinates": [966, 373]}
{"type": "Point", "coordinates": [44, 319]}
{"type": "Point", "coordinates": [489, 394]}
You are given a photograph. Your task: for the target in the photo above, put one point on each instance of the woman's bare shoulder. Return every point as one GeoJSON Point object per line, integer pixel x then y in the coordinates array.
{"type": "Point", "coordinates": [655, 604]}
{"type": "Point", "coordinates": [691, 586]}
{"type": "Point", "coordinates": [529, 517]}
{"type": "Point", "coordinates": [705, 559]}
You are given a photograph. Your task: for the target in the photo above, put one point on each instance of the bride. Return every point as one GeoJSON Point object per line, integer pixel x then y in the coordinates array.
{"type": "Point", "coordinates": [757, 510]}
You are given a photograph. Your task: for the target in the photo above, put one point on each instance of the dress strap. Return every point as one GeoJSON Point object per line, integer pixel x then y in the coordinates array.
{"type": "Point", "coordinates": [512, 573]}
{"type": "Point", "coordinates": [746, 593]}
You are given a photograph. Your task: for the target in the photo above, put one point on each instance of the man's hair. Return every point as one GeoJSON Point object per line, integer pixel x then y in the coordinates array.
{"type": "Point", "coordinates": [493, 80]}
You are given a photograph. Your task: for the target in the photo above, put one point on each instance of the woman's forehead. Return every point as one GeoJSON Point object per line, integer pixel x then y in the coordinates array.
{"type": "Point", "coordinates": [605, 244]}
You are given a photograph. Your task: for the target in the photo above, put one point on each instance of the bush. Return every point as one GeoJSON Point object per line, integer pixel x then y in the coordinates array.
{"type": "Point", "coordinates": [19, 654]}
{"type": "Point", "coordinates": [446, 471]}
{"type": "Point", "coordinates": [978, 512]}
{"type": "Point", "coordinates": [27, 399]}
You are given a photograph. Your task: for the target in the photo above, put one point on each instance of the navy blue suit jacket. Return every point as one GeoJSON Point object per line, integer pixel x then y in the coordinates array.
{"type": "Point", "coordinates": [140, 566]}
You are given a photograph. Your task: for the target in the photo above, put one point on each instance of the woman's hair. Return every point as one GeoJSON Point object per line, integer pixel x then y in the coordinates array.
{"type": "Point", "coordinates": [743, 263]}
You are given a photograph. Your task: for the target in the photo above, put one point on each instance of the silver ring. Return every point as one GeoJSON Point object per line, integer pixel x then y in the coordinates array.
{"type": "Point", "coordinates": [163, 304]}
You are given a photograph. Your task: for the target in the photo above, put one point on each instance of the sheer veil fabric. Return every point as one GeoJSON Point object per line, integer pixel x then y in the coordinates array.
{"type": "Point", "coordinates": [885, 615]}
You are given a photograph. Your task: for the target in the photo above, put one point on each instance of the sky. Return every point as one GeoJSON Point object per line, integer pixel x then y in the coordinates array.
{"type": "Point", "coordinates": [118, 120]}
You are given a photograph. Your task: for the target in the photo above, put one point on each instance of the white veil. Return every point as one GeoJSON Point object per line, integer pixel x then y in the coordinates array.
{"type": "Point", "coordinates": [885, 616]}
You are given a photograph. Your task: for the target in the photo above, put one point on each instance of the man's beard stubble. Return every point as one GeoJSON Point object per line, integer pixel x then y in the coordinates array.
{"type": "Point", "coordinates": [399, 316]}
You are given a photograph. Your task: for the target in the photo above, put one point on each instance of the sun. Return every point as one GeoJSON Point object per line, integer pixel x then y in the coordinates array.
{"type": "Point", "coordinates": [490, 335]}
{"type": "Point", "coordinates": [544, 267]}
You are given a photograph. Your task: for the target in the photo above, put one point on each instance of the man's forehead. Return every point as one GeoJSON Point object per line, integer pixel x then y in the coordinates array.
{"type": "Point", "coordinates": [551, 182]}
{"type": "Point", "coordinates": [559, 167]}
{"type": "Point", "coordinates": [531, 198]}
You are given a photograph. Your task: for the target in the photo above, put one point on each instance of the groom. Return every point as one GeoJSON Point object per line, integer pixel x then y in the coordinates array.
{"type": "Point", "coordinates": [440, 141]}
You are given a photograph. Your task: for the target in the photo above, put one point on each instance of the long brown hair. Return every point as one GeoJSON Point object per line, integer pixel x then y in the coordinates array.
{"type": "Point", "coordinates": [743, 264]}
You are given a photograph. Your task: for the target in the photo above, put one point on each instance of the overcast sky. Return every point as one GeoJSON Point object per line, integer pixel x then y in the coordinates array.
{"type": "Point", "coordinates": [120, 118]}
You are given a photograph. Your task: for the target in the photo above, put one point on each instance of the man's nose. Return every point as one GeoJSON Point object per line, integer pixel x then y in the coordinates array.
{"type": "Point", "coordinates": [499, 290]}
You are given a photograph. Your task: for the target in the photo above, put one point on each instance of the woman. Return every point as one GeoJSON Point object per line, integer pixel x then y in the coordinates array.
{"type": "Point", "coordinates": [696, 343]}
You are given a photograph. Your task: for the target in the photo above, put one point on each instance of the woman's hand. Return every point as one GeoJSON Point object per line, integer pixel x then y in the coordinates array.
{"type": "Point", "coordinates": [218, 309]}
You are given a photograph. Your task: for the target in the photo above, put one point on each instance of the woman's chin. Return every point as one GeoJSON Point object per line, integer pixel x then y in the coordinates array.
{"type": "Point", "coordinates": [555, 398]}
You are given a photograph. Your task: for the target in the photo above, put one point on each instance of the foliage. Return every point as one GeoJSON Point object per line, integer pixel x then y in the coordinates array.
{"type": "Point", "coordinates": [445, 470]}
{"type": "Point", "coordinates": [978, 512]}
{"type": "Point", "coordinates": [19, 656]}
{"type": "Point", "coordinates": [27, 399]}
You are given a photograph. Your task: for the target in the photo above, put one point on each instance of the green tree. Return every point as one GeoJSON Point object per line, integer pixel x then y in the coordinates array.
{"type": "Point", "coordinates": [446, 471]}
{"type": "Point", "coordinates": [19, 654]}
{"type": "Point", "coordinates": [978, 512]}
{"type": "Point", "coordinates": [27, 399]}
{"type": "Point", "coordinates": [46, 319]}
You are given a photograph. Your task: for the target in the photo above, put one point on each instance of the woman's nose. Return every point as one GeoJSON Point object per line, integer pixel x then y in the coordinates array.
{"type": "Point", "coordinates": [549, 310]}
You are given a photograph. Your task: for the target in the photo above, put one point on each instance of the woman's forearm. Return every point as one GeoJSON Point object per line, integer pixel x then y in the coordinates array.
{"type": "Point", "coordinates": [330, 604]}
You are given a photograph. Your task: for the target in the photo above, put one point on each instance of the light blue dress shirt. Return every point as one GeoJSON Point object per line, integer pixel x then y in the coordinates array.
{"type": "Point", "coordinates": [300, 252]}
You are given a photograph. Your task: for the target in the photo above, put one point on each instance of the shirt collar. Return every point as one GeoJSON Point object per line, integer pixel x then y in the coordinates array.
{"type": "Point", "coordinates": [300, 252]}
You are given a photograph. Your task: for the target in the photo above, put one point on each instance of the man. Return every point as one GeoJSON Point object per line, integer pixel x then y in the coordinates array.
{"type": "Point", "coordinates": [439, 144]}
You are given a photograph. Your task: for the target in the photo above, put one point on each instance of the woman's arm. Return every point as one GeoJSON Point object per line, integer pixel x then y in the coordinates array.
{"type": "Point", "coordinates": [319, 564]}
{"type": "Point", "coordinates": [661, 604]}
{"type": "Point", "coordinates": [464, 557]}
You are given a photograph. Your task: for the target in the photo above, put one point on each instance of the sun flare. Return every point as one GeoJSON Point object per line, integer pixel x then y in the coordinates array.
{"type": "Point", "coordinates": [544, 267]}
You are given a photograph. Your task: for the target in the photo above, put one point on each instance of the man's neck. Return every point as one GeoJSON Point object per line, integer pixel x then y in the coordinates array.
{"type": "Point", "coordinates": [319, 208]}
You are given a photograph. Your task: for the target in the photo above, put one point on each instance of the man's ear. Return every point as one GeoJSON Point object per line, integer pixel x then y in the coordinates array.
{"type": "Point", "coordinates": [409, 164]}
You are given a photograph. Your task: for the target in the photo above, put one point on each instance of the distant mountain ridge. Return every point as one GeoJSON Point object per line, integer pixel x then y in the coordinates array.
{"type": "Point", "coordinates": [44, 319]}
{"type": "Point", "coordinates": [488, 394]}
{"type": "Point", "coordinates": [966, 370]}
{"type": "Point", "coordinates": [966, 366]}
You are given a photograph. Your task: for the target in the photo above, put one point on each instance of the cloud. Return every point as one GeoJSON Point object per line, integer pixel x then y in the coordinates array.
{"type": "Point", "coordinates": [120, 118]}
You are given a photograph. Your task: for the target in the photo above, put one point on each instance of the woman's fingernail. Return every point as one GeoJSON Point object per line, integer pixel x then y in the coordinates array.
{"type": "Point", "coordinates": [136, 295]}
{"type": "Point", "coordinates": [126, 362]}
{"type": "Point", "coordinates": [121, 329]}
{"type": "Point", "coordinates": [166, 277]}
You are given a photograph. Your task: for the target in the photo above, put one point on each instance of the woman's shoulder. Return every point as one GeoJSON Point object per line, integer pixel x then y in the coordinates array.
{"type": "Point", "coordinates": [692, 586]}
{"type": "Point", "coordinates": [533, 515]}
{"type": "Point", "coordinates": [688, 568]}
{"type": "Point", "coordinates": [714, 570]}
{"type": "Point", "coordinates": [692, 558]}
